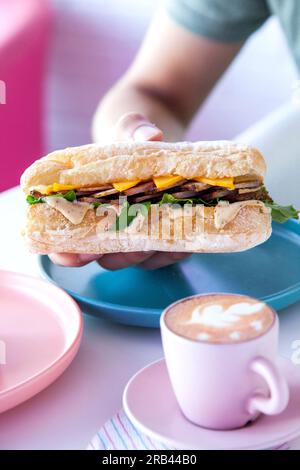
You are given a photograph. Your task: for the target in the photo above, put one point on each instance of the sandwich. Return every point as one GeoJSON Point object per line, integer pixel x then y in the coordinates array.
{"type": "Point", "coordinates": [140, 196]}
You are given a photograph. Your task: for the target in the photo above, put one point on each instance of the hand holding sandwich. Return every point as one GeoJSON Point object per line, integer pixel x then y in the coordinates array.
{"type": "Point", "coordinates": [167, 86]}
{"type": "Point", "coordinates": [131, 126]}
{"type": "Point", "coordinates": [131, 197]}
{"type": "Point", "coordinates": [221, 183]}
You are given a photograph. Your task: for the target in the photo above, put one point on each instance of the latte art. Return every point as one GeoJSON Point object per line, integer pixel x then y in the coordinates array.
{"type": "Point", "coordinates": [220, 318]}
{"type": "Point", "coordinates": [216, 316]}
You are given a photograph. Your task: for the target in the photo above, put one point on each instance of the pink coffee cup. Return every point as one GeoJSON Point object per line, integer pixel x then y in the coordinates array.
{"type": "Point", "coordinates": [225, 385]}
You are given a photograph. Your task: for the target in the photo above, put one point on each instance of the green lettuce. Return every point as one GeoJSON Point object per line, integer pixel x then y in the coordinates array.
{"type": "Point", "coordinates": [69, 196]}
{"type": "Point", "coordinates": [96, 204]}
{"type": "Point", "coordinates": [279, 213]}
{"type": "Point", "coordinates": [282, 214]}
{"type": "Point", "coordinates": [34, 200]}
{"type": "Point", "coordinates": [129, 212]}
{"type": "Point", "coordinates": [170, 199]}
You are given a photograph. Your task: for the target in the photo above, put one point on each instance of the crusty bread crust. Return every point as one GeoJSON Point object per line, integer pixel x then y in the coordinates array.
{"type": "Point", "coordinates": [48, 231]}
{"type": "Point", "coordinates": [94, 164]}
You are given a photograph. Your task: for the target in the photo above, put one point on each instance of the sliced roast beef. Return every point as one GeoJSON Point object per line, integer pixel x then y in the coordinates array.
{"type": "Point", "coordinates": [93, 190]}
{"type": "Point", "coordinates": [260, 195]}
{"type": "Point", "coordinates": [218, 193]}
{"type": "Point", "coordinates": [248, 184]}
{"type": "Point", "coordinates": [246, 187]}
{"type": "Point", "coordinates": [248, 190]}
{"type": "Point", "coordinates": [92, 200]}
{"type": "Point", "coordinates": [89, 199]}
{"type": "Point", "coordinates": [141, 188]}
{"type": "Point", "coordinates": [246, 197]}
{"type": "Point", "coordinates": [36, 194]}
{"type": "Point", "coordinates": [185, 194]}
{"type": "Point", "coordinates": [148, 197]}
{"type": "Point", "coordinates": [196, 186]}
{"type": "Point", "coordinates": [109, 192]}
{"type": "Point", "coordinates": [244, 178]}
{"type": "Point", "coordinates": [149, 188]}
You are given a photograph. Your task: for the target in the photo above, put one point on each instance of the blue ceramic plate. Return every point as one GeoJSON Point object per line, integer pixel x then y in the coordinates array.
{"type": "Point", "coordinates": [137, 297]}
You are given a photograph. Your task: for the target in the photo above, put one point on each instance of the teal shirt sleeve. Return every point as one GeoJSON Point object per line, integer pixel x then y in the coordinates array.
{"type": "Point", "coordinates": [220, 20]}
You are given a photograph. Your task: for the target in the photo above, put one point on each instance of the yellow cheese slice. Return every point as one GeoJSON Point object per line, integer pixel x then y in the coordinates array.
{"type": "Point", "coordinates": [56, 187]}
{"type": "Point", "coordinates": [62, 187]}
{"type": "Point", "coordinates": [162, 182]}
{"type": "Point", "coordinates": [123, 185]}
{"type": "Point", "coordinates": [224, 182]}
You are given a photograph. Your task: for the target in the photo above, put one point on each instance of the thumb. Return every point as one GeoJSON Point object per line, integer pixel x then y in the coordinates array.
{"type": "Point", "coordinates": [135, 126]}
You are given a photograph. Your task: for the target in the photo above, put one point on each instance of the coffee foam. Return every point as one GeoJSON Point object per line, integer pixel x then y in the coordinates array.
{"type": "Point", "coordinates": [220, 318]}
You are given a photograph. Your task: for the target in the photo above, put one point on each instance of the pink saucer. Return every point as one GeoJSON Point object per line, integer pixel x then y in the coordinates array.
{"type": "Point", "coordinates": [40, 333]}
{"type": "Point", "coordinates": [150, 404]}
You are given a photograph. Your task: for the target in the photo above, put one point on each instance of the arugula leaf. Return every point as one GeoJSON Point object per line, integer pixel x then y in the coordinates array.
{"type": "Point", "coordinates": [34, 200]}
{"type": "Point", "coordinates": [96, 204]}
{"type": "Point", "coordinates": [69, 196]}
{"type": "Point", "coordinates": [279, 213]}
{"type": "Point", "coordinates": [282, 214]}
{"type": "Point", "coordinates": [170, 199]}
{"type": "Point", "coordinates": [128, 214]}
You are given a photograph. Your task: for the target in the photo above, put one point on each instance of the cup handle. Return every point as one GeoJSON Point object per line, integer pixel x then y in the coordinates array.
{"type": "Point", "coordinates": [278, 399]}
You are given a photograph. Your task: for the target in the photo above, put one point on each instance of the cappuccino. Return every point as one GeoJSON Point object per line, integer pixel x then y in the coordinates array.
{"type": "Point", "coordinates": [219, 318]}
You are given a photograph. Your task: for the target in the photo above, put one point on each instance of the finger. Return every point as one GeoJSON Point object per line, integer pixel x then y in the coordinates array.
{"type": "Point", "coordinates": [135, 126]}
{"type": "Point", "coordinates": [115, 261]}
{"type": "Point", "coordinates": [160, 260]}
{"type": "Point", "coordinates": [73, 260]}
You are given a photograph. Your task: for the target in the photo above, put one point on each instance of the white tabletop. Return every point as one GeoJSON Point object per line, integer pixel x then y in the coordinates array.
{"type": "Point", "coordinates": [69, 412]}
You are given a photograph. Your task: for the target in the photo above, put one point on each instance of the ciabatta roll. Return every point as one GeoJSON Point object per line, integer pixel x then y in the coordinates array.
{"type": "Point", "coordinates": [193, 197]}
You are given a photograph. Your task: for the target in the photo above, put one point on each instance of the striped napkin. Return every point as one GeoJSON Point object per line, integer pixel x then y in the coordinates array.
{"type": "Point", "coordinates": [118, 433]}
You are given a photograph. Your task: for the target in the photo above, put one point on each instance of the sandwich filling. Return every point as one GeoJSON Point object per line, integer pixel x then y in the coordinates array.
{"type": "Point", "coordinates": [164, 189]}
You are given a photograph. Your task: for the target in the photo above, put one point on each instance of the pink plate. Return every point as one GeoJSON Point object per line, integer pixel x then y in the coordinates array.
{"type": "Point", "coordinates": [150, 404]}
{"type": "Point", "coordinates": [40, 333]}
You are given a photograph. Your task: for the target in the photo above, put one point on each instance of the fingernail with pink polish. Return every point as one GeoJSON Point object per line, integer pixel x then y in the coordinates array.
{"type": "Point", "coordinates": [147, 132]}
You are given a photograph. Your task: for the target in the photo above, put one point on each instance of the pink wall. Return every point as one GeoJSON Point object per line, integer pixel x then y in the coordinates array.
{"type": "Point", "coordinates": [24, 33]}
